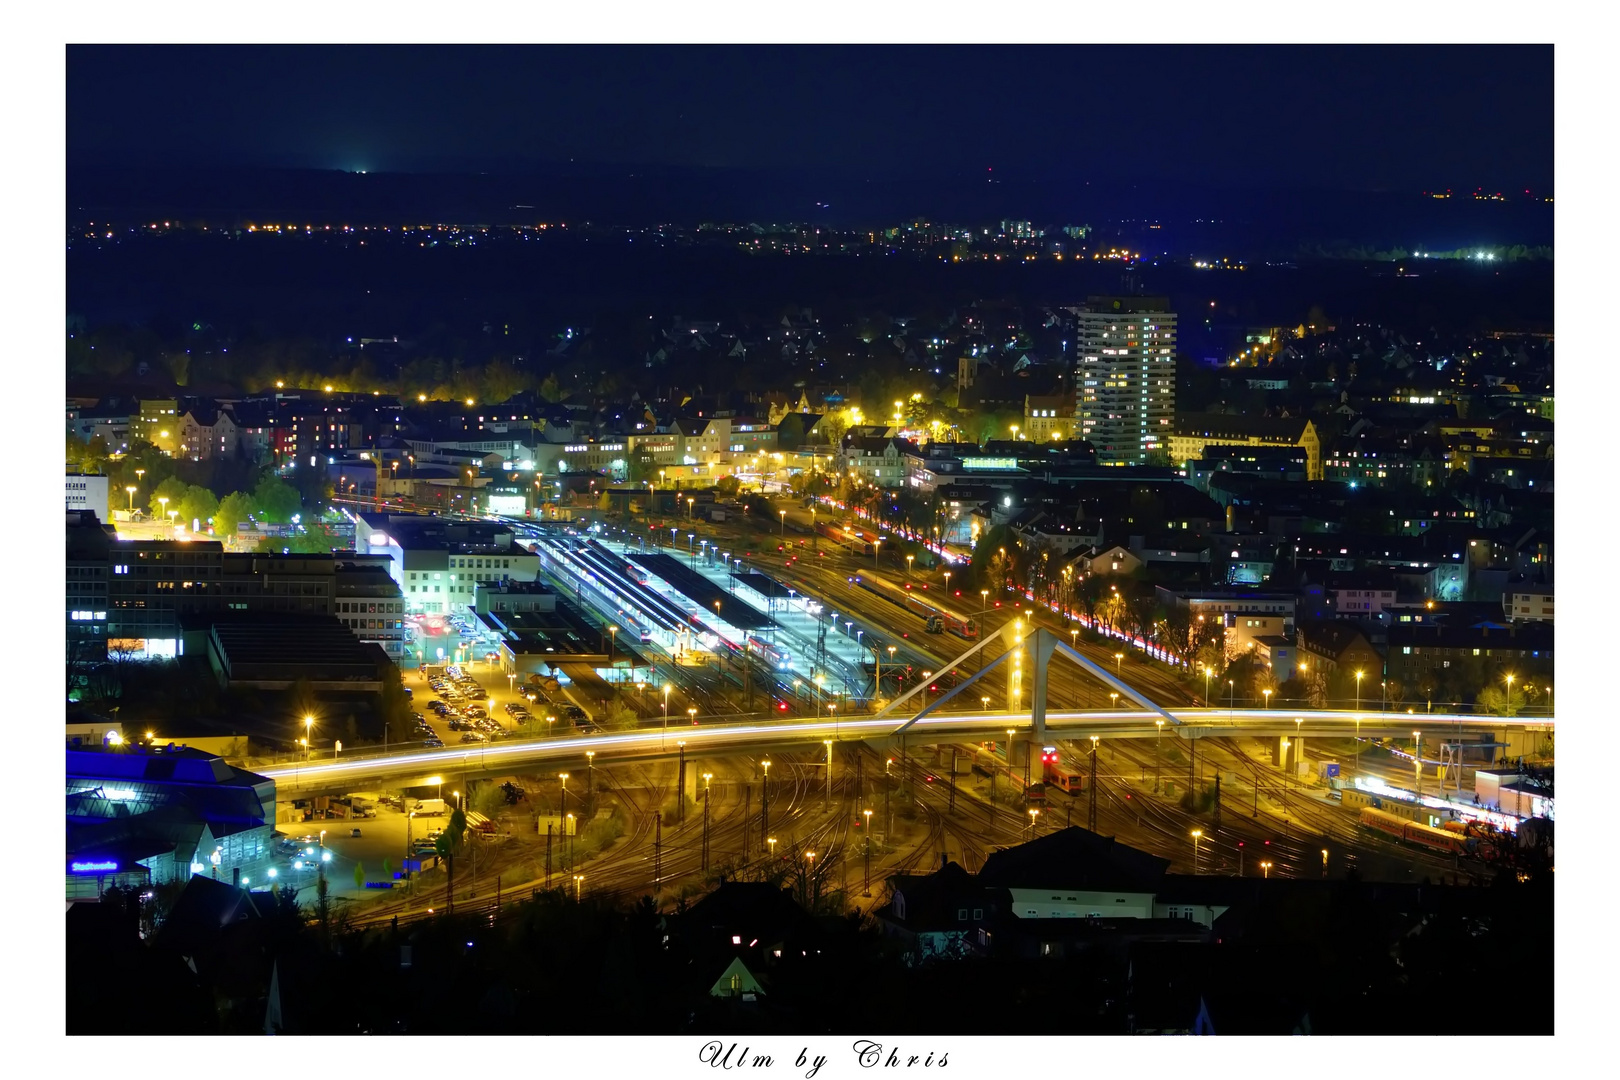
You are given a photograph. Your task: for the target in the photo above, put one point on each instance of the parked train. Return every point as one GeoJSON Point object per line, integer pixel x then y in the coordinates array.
{"type": "Point", "coordinates": [937, 617]}
{"type": "Point", "coordinates": [1412, 832]}
{"type": "Point", "coordinates": [846, 536]}
{"type": "Point", "coordinates": [1063, 777]}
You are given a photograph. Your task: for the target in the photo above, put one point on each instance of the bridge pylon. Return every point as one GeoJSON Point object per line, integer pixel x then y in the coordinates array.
{"type": "Point", "coordinates": [1044, 645]}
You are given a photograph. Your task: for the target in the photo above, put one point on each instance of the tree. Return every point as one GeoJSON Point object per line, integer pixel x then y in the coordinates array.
{"type": "Point", "coordinates": [167, 496]}
{"type": "Point", "coordinates": [1186, 635]}
{"type": "Point", "coordinates": [549, 390]}
{"type": "Point", "coordinates": [620, 719]}
{"type": "Point", "coordinates": [276, 500]}
{"type": "Point", "coordinates": [359, 875]}
{"type": "Point", "coordinates": [199, 505]}
{"type": "Point", "coordinates": [395, 706]}
{"type": "Point", "coordinates": [233, 509]}
{"type": "Point", "coordinates": [1502, 702]}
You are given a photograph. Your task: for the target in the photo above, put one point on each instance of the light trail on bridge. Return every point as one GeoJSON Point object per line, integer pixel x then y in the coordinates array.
{"type": "Point", "coordinates": [414, 766]}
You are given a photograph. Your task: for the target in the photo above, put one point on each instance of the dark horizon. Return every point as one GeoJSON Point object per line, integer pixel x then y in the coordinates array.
{"type": "Point", "coordinates": [1344, 118]}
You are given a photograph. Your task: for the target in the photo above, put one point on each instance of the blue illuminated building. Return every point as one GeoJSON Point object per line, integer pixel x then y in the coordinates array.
{"type": "Point", "coordinates": [146, 815]}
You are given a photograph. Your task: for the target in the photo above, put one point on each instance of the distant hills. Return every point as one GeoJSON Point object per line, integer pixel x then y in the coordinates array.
{"type": "Point", "coordinates": [1257, 221]}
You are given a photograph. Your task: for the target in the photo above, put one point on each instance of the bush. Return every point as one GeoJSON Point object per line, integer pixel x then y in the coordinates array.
{"type": "Point", "coordinates": [1198, 802]}
{"type": "Point", "coordinates": [600, 833]}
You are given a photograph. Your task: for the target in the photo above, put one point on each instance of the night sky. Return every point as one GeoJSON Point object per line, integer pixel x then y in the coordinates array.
{"type": "Point", "coordinates": [1335, 117]}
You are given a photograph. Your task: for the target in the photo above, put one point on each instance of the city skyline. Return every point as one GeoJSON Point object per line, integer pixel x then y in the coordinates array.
{"type": "Point", "coordinates": [814, 540]}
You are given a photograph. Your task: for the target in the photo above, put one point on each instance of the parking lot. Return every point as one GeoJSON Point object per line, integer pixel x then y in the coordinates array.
{"type": "Point", "coordinates": [381, 838]}
{"type": "Point", "coordinates": [472, 704]}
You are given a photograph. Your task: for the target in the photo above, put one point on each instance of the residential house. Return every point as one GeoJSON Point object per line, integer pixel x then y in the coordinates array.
{"type": "Point", "coordinates": [1528, 604]}
{"type": "Point", "coordinates": [1334, 646]}
{"type": "Point", "coordinates": [208, 432]}
{"type": "Point", "coordinates": [879, 460]}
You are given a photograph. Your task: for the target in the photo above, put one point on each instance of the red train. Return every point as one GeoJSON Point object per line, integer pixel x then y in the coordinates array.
{"type": "Point", "coordinates": [1412, 832]}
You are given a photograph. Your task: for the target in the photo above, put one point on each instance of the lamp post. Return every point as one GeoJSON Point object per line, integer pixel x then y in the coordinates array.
{"type": "Point", "coordinates": [1207, 673]}
{"type": "Point", "coordinates": [1267, 695]}
{"type": "Point", "coordinates": [590, 773]}
{"type": "Point", "coordinates": [1114, 697]}
{"type": "Point", "coordinates": [1119, 660]}
{"type": "Point", "coordinates": [1324, 863]}
{"type": "Point", "coordinates": [1359, 674]}
{"type": "Point", "coordinates": [1265, 868]}
{"type": "Point", "coordinates": [1157, 760]}
{"type": "Point", "coordinates": [1091, 784]}
{"type": "Point", "coordinates": [765, 801]}
{"type": "Point", "coordinates": [131, 490]}
{"type": "Point", "coordinates": [783, 515]}
{"type": "Point", "coordinates": [1033, 814]}
{"type": "Point", "coordinates": [692, 712]}
{"type": "Point", "coordinates": [771, 842]}
{"type": "Point", "coordinates": [706, 778]}
{"type": "Point", "coordinates": [1417, 760]}
{"type": "Point", "coordinates": [667, 689]}
{"type": "Point", "coordinates": [868, 853]}
{"type": "Point", "coordinates": [1196, 833]}
{"type": "Point", "coordinates": [1231, 695]}
{"type": "Point", "coordinates": [828, 744]}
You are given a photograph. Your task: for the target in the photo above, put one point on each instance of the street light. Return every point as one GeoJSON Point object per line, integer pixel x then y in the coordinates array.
{"type": "Point", "coordinates": [1417, 760]}
{"type": "Point", "coordinates": [1207, 673]}
{"type": "Point", "coordinates": [1266, 868]}
{"type": "Point", "coordinates": [131, 490]}
{"type": "Point", "coordinates": [1267, 695]}
{"type": "Point", "coordinates": [772, 842]}
{"type": "Point", "coordinates": [783, 515]}
{"type": "Point", "coordinates": [1196, 833]}
{"type": "Point", "coordinates": [1033, 814]}
{"type": "Point", "coordinates": [1358, 690]}
{"type": "Point", "coordinates": [828, 744]}
{"type": "Point", "coordinates": [1157, 739]}
{"type": "Point", "coordinates": [692, 712]}
{"type": "Point", "coordinates": [667, 689]}
{"type": "Point", "coordinates": [1119, 659]}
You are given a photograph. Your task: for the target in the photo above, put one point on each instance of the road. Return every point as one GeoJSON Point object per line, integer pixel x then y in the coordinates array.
{"type": "Point", "coordinates": [648, 743]}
